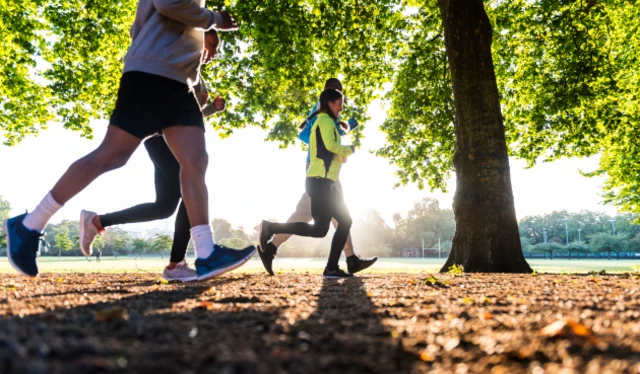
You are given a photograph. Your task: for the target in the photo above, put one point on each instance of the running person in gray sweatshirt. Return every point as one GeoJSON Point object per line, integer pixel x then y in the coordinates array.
{"type": "Point", "coordinates": [167, 186]}
{"type": "Point", "coordinates": [160, 66]}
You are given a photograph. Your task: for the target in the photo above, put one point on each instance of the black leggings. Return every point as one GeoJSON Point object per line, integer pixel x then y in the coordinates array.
{"type": "Point", "coordinates": [168, 196]}
{"type": "Point", "coordinates": [326, 203]}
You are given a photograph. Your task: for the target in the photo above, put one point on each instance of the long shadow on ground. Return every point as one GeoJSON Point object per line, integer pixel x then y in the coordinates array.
{"type": "Point", "coordinates": [346, 335]}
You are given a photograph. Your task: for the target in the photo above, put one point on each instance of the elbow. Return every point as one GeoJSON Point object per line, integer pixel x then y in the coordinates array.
{"type": "Point", "coordinates": [334, 149]}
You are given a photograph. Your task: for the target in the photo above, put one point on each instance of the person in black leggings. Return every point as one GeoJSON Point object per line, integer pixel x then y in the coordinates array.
{"type": "Point", "coordinates": [168, 197]}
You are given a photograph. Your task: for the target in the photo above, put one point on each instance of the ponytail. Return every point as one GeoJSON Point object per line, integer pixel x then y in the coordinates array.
{"type": "Point", "coordinates": [304, 123]}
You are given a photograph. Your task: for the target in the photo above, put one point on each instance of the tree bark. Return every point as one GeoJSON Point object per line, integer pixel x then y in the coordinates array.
{"type": "Point", "coordinates": [486, 237]}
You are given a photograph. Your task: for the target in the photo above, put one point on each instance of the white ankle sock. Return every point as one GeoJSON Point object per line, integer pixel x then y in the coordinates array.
{"type": "Point", "coordinates": [38, 219]}
{"type": "Point", "coordinates": [203, 239]}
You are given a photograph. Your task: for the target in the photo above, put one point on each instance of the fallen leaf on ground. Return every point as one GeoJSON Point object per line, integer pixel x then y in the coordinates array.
{"type": "Point", "coordinates": [112, 314]}
{"type": "Point", "coordinates": [426, 356]}
{"type": "Point", "coordinates": [567, 328]}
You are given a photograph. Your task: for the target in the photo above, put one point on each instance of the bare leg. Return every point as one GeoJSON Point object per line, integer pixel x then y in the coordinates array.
{"type": "Point", "coordinates": [187, 144]}
{"type": "Point", "coordinates": [302, 214]}
{"type": "Point", "coordinates": [115, 150]}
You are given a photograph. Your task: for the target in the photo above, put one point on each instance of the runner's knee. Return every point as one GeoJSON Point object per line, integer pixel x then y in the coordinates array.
{"type": "Point", "coordinates": [195, 163]}
{"type": "Point", "coordinates": [320, 229]}
{"type": "Point", "coordinates": [164, 208]}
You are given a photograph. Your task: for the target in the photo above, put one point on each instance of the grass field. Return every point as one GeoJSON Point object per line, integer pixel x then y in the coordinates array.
{"type": "Point", "coordinates": [315, 265]}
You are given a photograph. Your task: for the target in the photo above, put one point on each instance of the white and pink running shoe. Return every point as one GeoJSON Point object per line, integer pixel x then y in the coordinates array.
{"type": "Point", "coordinates": [88, 232]}
{"type": "Point", "coordinates": [182, 272]}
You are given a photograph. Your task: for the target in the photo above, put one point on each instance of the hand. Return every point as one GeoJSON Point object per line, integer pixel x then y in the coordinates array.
{"type": "Point", "coordinates": [344, 160]}
{"type": "Point", "coordinates": [219, 103]}
{"type": "Point", "coordinates": [228, 23]}
{"type": "Point", "coordinates": [210, 51]}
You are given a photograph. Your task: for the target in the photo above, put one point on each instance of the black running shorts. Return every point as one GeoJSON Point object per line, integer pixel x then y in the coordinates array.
{"type": "Point", "coordinates": [148, 104]}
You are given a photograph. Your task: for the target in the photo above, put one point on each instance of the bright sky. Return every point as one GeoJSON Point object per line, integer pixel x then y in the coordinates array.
{"type": "Point", "coordinates": [250, 179]}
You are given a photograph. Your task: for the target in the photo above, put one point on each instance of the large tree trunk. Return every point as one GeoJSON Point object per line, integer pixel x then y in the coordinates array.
{"type": "Point", "coordinates": [486, 238]}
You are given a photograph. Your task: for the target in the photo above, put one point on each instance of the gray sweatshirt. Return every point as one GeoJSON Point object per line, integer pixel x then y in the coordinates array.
{"type": "Point", "coordinates": [168, 38]}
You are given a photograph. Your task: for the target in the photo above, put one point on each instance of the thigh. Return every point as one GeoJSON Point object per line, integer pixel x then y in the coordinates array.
{"type": "Point", "coordinates": [118, 143]}
{"type": "Point", "coordinates": [166, 193]}
{"type": "Point", "coordinates": [165, 163]}
{"type": "Point", "coordinates": [303, 210]}
{"type": "Point", "coordinates": [186, 143]}
{"type": "Point", "coordinates": [319, 192]}
{"type": "Point", "coordinates": [338, 186]}
{"type": "Point", "coordinates": [340, 210]}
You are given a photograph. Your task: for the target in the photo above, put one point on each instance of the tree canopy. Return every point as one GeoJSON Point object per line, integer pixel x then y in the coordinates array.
{"type": "Point", "coordinates": [567, 72]}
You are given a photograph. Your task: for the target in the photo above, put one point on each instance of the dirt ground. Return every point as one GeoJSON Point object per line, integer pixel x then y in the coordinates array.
{"type": "Point", "coordinates": [301, 323]}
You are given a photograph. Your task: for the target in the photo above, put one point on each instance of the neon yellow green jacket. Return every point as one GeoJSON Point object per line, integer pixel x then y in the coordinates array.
{"type": "Point", "coordinates": [326, 150]}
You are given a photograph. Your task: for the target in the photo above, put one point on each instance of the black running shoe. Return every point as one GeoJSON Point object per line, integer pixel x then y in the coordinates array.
{"type": "Point", "coordinates": [264, 235]}
{"type": "Point", "coordinates": [336, 273]}
{"type": "Point", "coordinates": [267, 255]}
{"type": "Point", "coordinates": [356, 263]}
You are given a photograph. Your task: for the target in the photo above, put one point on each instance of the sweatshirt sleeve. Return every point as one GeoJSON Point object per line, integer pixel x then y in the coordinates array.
{"type": "Point", "coordinates": [187, 12]}
{"type": "Point", "coordinates": [327, 131]}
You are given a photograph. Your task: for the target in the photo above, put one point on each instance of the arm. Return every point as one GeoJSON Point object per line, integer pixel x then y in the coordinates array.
{"type": "Point", "coordinates": [351, 124]}
{"type": "Point", "coordinates": [201, 91]}
{"type": "Point", "coordinates": [327, 128]}
{"type": "Point", "coordinates": [209, 110]}
{"type": "Point", "coordinates": [188, 12]}
{"type": "Point", "coordinates": [217, 105]}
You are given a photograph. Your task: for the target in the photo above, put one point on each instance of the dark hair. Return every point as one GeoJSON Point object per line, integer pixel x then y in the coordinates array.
{"type": "Point", "coordinates": [327, 96]}
{"type": "Point", "coordinates": [212, 32]}
{"type": "Point", "coordinates": [332, 82]}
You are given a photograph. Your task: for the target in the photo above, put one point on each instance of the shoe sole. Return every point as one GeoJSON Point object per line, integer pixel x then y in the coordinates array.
{"type": "Point", "coordinates": [370, 265]}
{"type": "Point", "coordinates": [82, 229]}
{"type": "Point", "coordinates": [6, 234]}
{"type": "Point", "coordinates": [228, 268]}
{"type": "Point", "coordinates": [183, 280]}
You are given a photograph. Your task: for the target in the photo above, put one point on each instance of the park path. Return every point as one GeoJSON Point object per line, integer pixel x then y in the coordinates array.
{"type": "Point", "coordinates": [301, 323]}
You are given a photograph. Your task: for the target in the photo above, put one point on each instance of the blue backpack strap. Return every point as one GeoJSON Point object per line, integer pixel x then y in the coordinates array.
{"type": "Point", "coordinates": [305, 134]}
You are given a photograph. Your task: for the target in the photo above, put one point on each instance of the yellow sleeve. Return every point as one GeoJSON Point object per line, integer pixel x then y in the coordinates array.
{"type": "Point", "coordinates": [327, 131]}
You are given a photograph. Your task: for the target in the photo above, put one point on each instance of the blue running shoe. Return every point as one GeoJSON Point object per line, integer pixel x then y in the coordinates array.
{"type": "Point", "coordinates": [222, 260]}
{"type": "Point", "coordinates": [22, 246]}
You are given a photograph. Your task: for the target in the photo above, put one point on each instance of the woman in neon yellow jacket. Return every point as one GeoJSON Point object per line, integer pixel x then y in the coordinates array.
{"type": "Point", "coordinates": [327, 154]}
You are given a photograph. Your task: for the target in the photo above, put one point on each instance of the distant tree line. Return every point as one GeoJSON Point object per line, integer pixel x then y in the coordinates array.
{"type": "Point", "coordinates": [372, 236]}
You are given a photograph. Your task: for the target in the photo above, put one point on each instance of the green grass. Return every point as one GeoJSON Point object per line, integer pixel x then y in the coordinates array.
{"type": "Point", "coordinates": [315, 265]}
